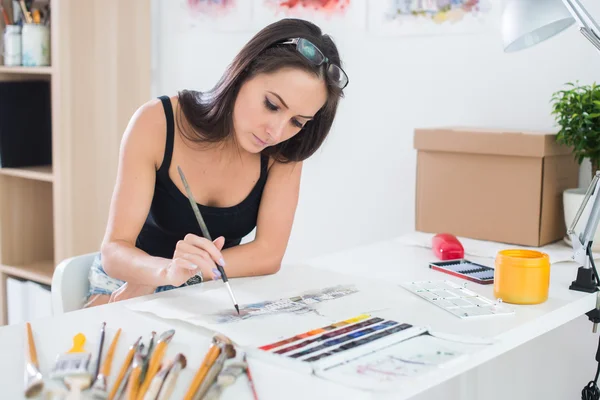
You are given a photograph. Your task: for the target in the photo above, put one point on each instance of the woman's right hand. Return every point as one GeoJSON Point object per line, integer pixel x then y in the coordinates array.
{"type": "Point", "coordinates": [195, 253]}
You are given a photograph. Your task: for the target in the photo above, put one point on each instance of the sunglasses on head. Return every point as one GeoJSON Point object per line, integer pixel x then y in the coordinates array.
{"type": "Point", "coordinates": [312, 53]}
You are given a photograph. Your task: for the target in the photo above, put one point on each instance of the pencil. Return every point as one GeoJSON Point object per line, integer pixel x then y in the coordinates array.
{"type": "Point", "coordinates": [250, 380]}
{"type": "Point", "coordinates": [205, 233]}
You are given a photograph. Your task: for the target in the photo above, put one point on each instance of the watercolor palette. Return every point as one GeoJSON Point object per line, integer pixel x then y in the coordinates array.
{"type": "Point", "coordinates": [457, 299]}
{"type": "Point", "coordinates": [337, 343]}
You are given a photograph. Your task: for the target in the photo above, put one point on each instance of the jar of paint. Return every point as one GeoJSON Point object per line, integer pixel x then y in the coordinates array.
{"type": "Point", "coordinates": [522, 276]}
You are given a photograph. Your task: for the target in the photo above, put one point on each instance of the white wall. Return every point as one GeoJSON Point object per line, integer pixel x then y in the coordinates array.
{"type": "Point", "coordinates": [360, 187]}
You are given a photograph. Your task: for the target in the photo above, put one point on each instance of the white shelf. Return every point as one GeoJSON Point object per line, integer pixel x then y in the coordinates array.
{"type": "Point", "coordinates": [39, 271]}
{"type": "Point", "coordinates": [26, 70]}
{"type": "Point", "coordinates": [40, 173]}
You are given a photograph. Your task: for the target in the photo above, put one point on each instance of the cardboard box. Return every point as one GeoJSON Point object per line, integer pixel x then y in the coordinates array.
{"type": "Point", "coordinates": [496, 185]}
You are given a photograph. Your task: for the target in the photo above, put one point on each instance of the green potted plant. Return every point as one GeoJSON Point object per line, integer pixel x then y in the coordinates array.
{"type": "Point", "coordinates": [576, 110]}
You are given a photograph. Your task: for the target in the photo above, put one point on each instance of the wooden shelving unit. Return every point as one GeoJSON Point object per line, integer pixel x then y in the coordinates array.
{"type": "Point", "coordinates": [42, 173]}
{"type": "Point", "coordinates": [100, 74]}
{"type": "Point", "coordinates": [26, 70]}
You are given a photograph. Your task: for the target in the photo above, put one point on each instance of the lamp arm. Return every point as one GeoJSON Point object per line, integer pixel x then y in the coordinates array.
{"type": "Point", "coordinates": [581, 243]}
{"type": "Point", "coordinates": [577, 9]}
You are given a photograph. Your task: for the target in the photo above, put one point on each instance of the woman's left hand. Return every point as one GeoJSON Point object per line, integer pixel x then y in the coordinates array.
{"type": "Point", "coordinates": [129, 291]}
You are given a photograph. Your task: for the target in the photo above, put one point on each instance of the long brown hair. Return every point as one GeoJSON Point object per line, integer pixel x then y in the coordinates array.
{"type": "Point", "coordinates": [207, 116]}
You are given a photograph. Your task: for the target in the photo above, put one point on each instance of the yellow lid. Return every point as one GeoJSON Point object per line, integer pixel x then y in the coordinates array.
{"type": "Point", "coordinates": [523, 258]}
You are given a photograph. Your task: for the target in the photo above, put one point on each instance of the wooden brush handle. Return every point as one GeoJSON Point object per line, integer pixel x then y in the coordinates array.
{"type": "Point", "coordinates": [134, 382]}
{"type": "Point", "coordinates": [153, 367]}
{"type": "Point", "coordinates": [122, 373]}
{"type": "Point", "coordinates": [31, 347]}
{"type": "Point", "coordinates": [109, 355]}
{"type": "Point", "coordinates": [209, 360]}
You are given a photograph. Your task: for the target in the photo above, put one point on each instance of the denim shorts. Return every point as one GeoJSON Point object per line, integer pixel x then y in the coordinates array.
{"type": "Point", "coordinates": [101, 283]}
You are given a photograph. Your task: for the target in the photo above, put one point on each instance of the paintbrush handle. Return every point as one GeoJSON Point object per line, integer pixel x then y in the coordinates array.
{"type": "Point", "coordinates": [194, 205]}
{"type": "Point", "coordinates": [123, 371]}
{"type": "Point", "coordinates": [109, 355]}
{"type": "Point", "coordinates": [153, 367]}
{"type": "Point", "coordinates": [169, 382]}
{"type": "Point", "coordinates": [134, 382]}
{"type": "Point", "coordinates": [32, 353]}
{"type": "Point", "coordinates": [157, 381]}
{"type": "Point", "coordinates": [209, 360]}
{"type": "Point", "coordinates": [250, 379]}
{"type": "Point", "coordinates": [100, 347]}
{"type": "Point", "coordinates": [211, 375]}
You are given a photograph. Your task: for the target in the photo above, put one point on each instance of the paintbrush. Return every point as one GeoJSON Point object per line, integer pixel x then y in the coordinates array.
{"type": "Point", "coordinates": [158, 381]}
{"type": "Point", "coordinates": [123, 387]}
{"type": "Point", "coordinates": [34, 383]}
{"type": "Point", "coordinates": [98, 389]}
{"type": "Point", "coordinates": [73, 362]}
{"type": "Point", "coordinates": [227, 352]}
{"type": "Point", "coordinates": [133, 386]}
{"type": "Point", "coordinates": [124, 368]}
{"type": "Point", "coordinates": [99, 358]}
{"type": "Point", "coordinates": [206, 235]}
{"type": "Point", "coordinates": [72, 367]}
{"type": "Point", "coordinates": [216, 346]}
{"type": "Point", "coordinates": [250, 378]}
{"type": "Point", "coordinates": [148, 356]}
{"type": "Point", "coordinates": [155, 360]}
{"type": "Point", "coordinates": [169, 382]}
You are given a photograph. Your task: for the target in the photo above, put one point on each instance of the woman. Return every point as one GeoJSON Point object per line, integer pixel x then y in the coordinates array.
{"type": "Point", "coordinates": [240, 146]}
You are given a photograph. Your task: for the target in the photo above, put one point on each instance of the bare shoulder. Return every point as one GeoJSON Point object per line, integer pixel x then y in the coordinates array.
{"type": "Point", "coordinates": [279, 168]}
{"type": "Point", "coordinates": [146, 132]}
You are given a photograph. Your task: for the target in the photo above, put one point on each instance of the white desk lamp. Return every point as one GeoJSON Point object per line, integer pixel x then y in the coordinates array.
{"type": "Point", "coordinates": [529, 22]}
{"type": "Point", "coordinates": [524, 24]}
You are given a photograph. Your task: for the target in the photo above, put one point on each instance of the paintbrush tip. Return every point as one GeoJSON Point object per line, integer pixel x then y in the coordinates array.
{"type": "Point", "coordinates": [237, 309]}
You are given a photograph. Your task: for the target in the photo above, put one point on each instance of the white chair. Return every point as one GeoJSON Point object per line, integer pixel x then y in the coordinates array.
{"type": "Point", "coordinates": [70, 283]}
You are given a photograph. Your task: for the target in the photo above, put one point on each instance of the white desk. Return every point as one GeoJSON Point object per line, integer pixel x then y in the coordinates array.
{"type": "Point", "coordinates": [389, 261]}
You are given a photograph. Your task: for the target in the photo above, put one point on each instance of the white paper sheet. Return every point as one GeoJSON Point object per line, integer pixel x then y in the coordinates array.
{"type": "Point", "coordinates": [385, 369]}
{"type": "Point", "coordinates": [558, 252]}
{"type": "Point", "coordinates": [269, 308]}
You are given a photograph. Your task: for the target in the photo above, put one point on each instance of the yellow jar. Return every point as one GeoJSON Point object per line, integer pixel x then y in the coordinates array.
{"type": "Point", "coordinates": [522, 276]}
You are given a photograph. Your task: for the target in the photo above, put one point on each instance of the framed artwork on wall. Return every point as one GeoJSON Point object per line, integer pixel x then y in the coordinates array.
{"type": "Point", "coordinates": [427, 17]}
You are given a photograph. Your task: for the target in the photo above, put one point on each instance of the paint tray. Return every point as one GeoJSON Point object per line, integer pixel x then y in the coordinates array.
{"type": "Point", "coordinates": [465, 269]}
{"type": "Point", "coordinates": [325, 347]}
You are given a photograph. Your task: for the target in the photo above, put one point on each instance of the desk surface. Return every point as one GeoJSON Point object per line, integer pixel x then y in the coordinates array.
{"type": "Point", "coordinates": [390, 261]}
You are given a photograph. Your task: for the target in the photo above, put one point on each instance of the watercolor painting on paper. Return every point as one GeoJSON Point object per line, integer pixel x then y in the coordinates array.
{"type": "Point", "coordinates": [328, 14]}
{"type": "Point", "coordinates": [386, 368]}
{"type": "Point", "coordinates": [428, 17]}
{"type": "Point", "coordinates": [219, 15]}
{"type": "Point", "coordinates": [300, 304]}
{"type": "Point", "coordinates": [330, 7]}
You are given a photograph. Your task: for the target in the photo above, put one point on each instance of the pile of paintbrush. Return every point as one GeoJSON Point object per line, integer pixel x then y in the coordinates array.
{"type": "Point", "coordinates": [142, 376]}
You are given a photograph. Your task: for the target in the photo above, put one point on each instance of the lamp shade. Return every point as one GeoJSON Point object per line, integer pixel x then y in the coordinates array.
{"type": "Point", "coordinates": [528, 22]}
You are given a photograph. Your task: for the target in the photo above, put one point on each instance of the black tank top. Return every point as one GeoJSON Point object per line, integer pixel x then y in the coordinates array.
{"type": "Point", "coordinates": [171, 217]}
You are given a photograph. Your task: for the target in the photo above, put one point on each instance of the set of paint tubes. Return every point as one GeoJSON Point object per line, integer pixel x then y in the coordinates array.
{"type": "Point", "coordinates": [329, 346]}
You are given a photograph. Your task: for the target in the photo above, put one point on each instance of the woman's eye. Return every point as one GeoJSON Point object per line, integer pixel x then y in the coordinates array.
{"type": "Point", "coordinates": [270, 105]}
{"type": "Point", "coordinates": [296, 123]}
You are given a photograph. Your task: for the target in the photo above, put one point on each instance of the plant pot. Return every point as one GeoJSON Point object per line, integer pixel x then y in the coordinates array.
{"type": "Point", "coordinates": [572, 199]}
